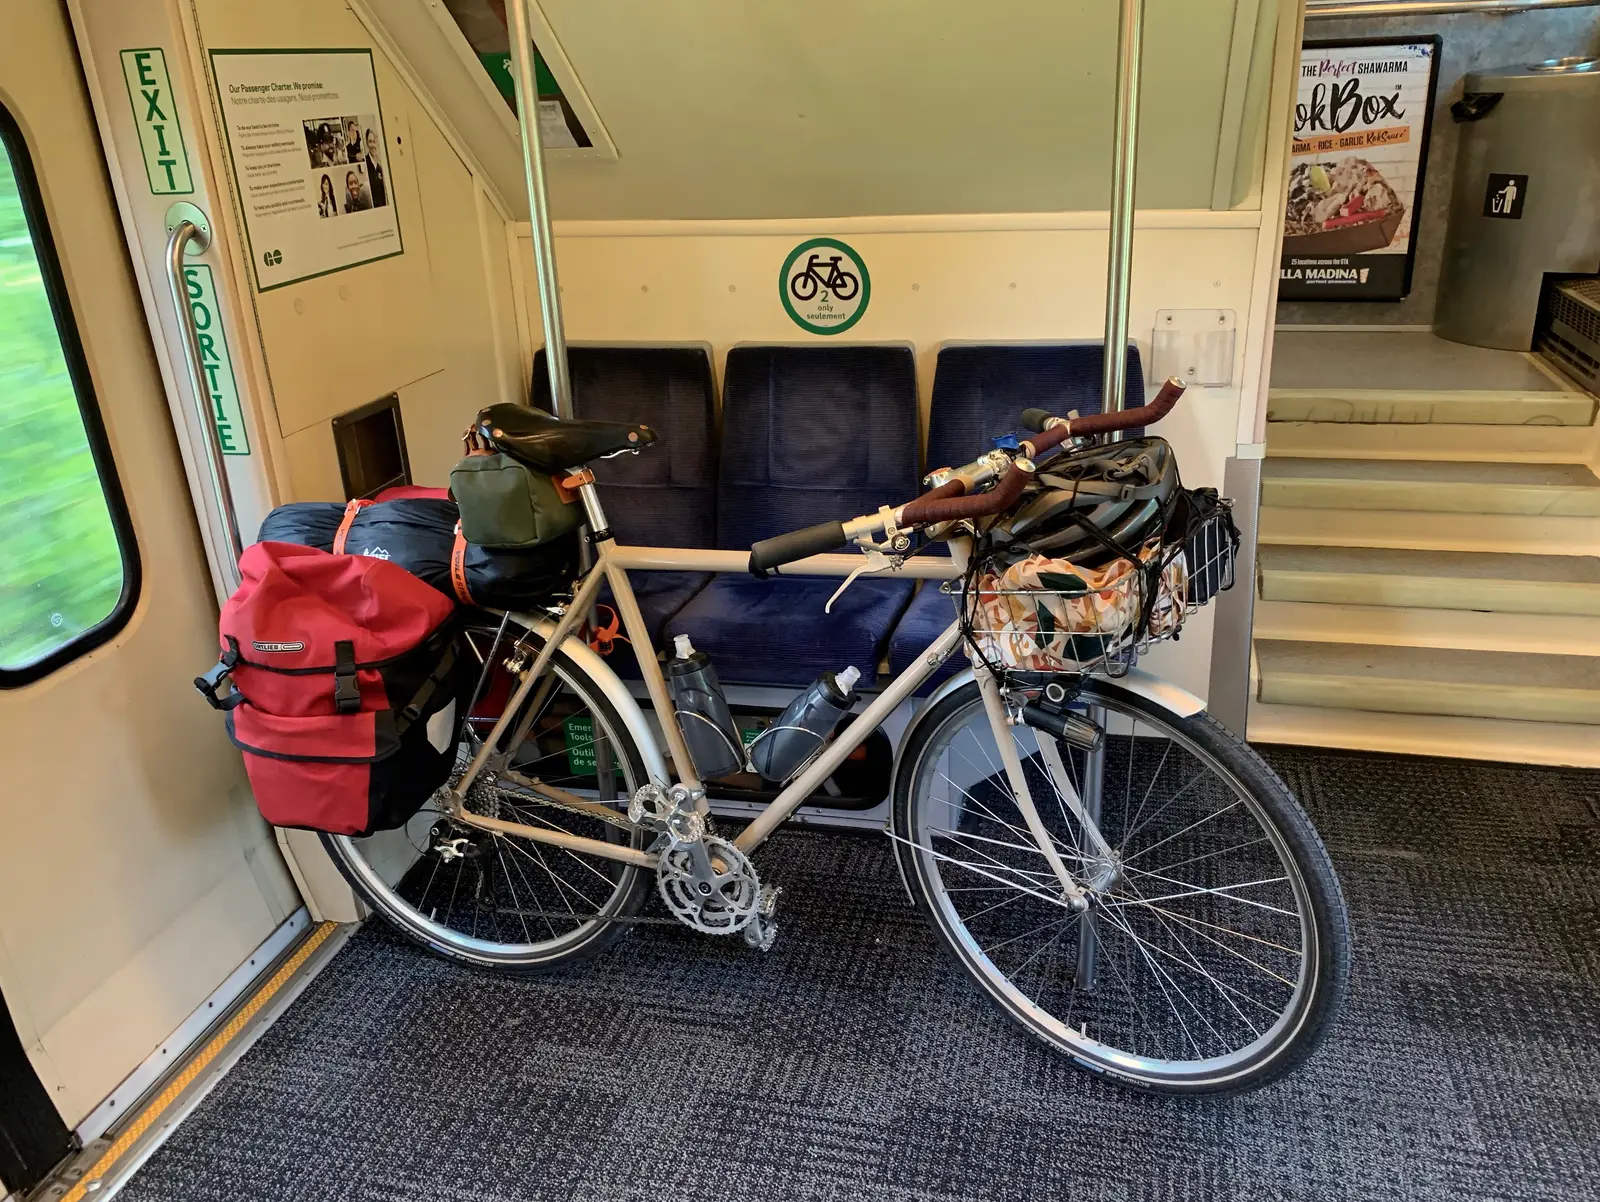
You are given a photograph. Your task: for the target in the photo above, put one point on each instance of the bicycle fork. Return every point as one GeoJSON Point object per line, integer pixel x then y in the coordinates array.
{"type": "Point", "coordinates": [994, 704]}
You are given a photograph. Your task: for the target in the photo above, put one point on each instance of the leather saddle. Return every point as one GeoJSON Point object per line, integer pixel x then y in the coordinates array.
{"type": "Point", "coordinates": [550, 445]}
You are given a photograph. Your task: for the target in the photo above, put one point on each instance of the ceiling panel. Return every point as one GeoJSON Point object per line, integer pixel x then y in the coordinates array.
{"type": "Point", "coordinates": [771, 108]}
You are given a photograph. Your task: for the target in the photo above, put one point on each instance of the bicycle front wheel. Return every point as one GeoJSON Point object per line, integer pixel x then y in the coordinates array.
{"type": "Point", "coordinates": [1215, 948]}
{"type": "Point", "coordinates": [505, 901]}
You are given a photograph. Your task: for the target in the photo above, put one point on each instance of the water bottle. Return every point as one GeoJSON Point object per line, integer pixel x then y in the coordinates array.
{"type": "Point", "coordinates": [803, 729]}
{"type": "Point", "coordinates": [703, 715]}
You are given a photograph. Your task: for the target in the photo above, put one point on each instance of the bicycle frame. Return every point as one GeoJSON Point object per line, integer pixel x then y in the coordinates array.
{"type": "Point", "coordinates": [611, 564]}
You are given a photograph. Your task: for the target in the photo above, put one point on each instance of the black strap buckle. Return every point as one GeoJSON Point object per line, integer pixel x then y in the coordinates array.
{"type": "Point", "coordinates": [346, 688]}
{"type": "Point", "coordinates": [211, 682]}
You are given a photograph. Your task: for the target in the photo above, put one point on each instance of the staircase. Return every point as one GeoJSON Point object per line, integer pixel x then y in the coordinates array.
{"type": "Point", "coordinates": [1429, 561]}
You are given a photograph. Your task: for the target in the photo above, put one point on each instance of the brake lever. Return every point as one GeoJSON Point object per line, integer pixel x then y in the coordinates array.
{"type": "Point", "coordinates": [887, 556]}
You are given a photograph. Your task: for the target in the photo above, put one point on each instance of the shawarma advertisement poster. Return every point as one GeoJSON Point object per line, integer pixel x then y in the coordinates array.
{"type": "Point", "coordinates": [1356, 168]}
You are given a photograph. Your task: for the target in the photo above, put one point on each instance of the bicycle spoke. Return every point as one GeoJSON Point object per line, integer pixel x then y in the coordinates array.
{"type": "Point", "coordinates": [497, 898]}
{"type": "Point", "coordinates": [1197, 953]}
{"type": "Point", "coordinates": [1223, 894]}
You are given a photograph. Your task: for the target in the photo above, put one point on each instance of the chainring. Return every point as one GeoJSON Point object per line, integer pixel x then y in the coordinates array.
{"type": "Point", "coordinates": [723, 905]}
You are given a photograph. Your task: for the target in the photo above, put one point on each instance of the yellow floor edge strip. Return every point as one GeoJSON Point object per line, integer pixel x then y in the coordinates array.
{"type": "Point", "coordinates": [158, 1106]}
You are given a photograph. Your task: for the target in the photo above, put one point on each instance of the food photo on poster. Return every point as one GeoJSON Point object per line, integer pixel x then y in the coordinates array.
{"type": "Point", "coordinates": [1362, 120]}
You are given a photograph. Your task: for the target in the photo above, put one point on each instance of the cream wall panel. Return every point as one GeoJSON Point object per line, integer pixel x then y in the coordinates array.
{"type": "Point", "coordinates": [435, 324]}
{"type": "Point", "coordinates": [341, 340]}
{"type": "Point", "coordinates": [313, 466]}
{"type": "Point", "coordinates": [898, 106]}
{"type": "Point", "coordinates": [928, 288]}
{"type": "Point", "coordinates": [462, 298]}
{"type": "Point", "coordinates": [435, 410]}
{"type": "Point", "coordinates": [497, 250]}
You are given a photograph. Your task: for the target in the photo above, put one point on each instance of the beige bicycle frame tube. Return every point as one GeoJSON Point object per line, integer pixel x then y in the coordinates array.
{"type": "Point", "coordinates": [612, 564]}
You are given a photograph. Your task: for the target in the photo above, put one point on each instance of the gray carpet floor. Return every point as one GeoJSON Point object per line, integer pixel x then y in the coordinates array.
{"type": "Point", "coordinates": [853, 1062]}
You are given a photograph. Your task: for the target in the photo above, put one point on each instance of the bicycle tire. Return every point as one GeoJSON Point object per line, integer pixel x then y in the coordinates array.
{"type": "Point", "coordinates": [635, 884]}
{"type": "Point", "coordinates": [840, 290]}
{"type": "Point", "coordinates": [1328, 966]}
{"type": "Point", "coordinates": [803, 286]}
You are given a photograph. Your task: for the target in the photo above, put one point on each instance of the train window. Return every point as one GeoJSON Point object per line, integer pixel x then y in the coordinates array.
{"type": "Point", "coordinates": [68, 566]}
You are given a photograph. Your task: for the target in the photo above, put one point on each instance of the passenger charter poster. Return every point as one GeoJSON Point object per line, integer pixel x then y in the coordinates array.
{"type": "Point", "coordinates": [1356, 168]}
{"type": "Point", "coordinates": [310, 160]}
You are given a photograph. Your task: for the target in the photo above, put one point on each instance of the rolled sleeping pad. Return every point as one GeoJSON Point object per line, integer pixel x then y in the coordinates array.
{"type": "Point", "coordinates": [419, 535]}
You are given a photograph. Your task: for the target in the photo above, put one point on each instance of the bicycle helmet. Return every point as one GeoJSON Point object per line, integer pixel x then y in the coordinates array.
{"type": "Point", "coordinates": [1122, 490]}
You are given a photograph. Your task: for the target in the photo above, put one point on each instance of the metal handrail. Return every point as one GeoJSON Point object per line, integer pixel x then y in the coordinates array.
{"type": "Point", "coordinates": [177, 242]}
{"type": "Point", "coordinates": [1124, 164]}
{"type": "Point", "coordinates": [1322, 10]}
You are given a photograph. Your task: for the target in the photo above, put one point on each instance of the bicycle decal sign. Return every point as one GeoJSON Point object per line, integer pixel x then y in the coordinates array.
{"type": "Point", "coordinates": [824, 286]}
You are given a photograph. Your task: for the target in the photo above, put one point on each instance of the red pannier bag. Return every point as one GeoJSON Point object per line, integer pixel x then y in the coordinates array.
{"type": "Point", "coordinates": [346, 687]}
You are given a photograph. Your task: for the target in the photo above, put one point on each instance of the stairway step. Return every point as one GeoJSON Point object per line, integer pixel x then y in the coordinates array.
{"type": "Point", "coordinates": [1559, 744]}
{"type": "Point", "coordinates": [1523, 584]}
{"type": "Point", "coordinates": [1395, 626]}
{"type": "Point", "coordinates": [1457, 407]}
{"type": "Point", "coordinates": [1545, 489]}
{"type": "Point", "coordinates": [1417, 680]}
{"type": "Point", "coordinates": [1496, 532]}
{"type": "Point", "coordinates": [1495, 444]}
{"type": "Point", "coordinates": [1401, 360]}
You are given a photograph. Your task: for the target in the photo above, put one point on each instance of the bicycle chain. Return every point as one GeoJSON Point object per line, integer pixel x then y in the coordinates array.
{"type": "Point", "coordinates": [620, 820]}
{"type": "Point", "coordinates": [636, 920]}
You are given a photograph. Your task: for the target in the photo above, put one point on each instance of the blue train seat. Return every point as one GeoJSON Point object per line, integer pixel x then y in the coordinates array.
{"type": "Point", "coordinates": [809, 434]}
{"type": "Point", "coordinates": [979, 393]}
{"type": "Point", "coordinates": [666, 496]}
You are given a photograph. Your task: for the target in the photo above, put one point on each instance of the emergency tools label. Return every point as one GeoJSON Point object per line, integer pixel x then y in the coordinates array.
{"type": "Point", "coordinates": [155, 115]}
{"type": "Point", "coordinates": [824, 286]}
{"type": "Point", "coordinates": [578, 731]}
{"type": "Point", "coordinates": [310, 158]}
{"type": "Point", "coordinates": [215, 360]}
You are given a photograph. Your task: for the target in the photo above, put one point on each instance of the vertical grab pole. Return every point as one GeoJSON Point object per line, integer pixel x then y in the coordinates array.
{"type": "Point", "coordinates": [544, 251]}
{"type": "Point", "coordinates": [1124, 161]}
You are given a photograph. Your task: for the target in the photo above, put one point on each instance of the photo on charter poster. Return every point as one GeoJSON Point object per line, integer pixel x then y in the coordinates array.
{"type": "Point", "coordinates": [1356, 168]}
{"type": "Point", "coordinates": [306, 140]}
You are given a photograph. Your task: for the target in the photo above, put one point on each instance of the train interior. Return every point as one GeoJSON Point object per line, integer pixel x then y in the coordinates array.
{"type": "Point", "coordinates": [256, 256]}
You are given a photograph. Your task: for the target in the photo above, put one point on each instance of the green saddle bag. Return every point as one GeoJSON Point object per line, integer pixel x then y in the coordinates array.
{"type": "Point", "coordinates": [506, 505]}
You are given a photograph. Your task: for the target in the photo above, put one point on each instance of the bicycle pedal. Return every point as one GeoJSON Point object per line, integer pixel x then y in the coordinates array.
{"type": "Point", "coordinates": [761, 934]}
{"type": "Point", "coordinates": [762, 931]}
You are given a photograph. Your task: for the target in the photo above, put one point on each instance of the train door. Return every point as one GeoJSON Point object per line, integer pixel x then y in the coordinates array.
{"type": "Point", "coordinates": [134, 873]}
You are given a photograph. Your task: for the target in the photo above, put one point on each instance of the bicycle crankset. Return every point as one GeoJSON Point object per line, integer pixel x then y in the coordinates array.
{"type": "Point", "coordinates": [717, 897]}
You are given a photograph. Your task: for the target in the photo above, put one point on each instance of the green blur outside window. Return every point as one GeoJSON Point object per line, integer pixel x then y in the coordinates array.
{"type": "Point", "coordinates": [67, 570]}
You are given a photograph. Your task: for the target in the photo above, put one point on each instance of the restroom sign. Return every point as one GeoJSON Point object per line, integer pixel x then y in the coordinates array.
{"type": "Point", "coordinates": [824, 286]}
{"type": "Point", "coordinates": [155, 115]}
{"type": "Point", "coordinates": [215, 360]}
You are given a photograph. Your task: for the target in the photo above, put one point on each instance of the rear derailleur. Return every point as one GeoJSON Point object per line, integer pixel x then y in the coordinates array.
{"type": "Point", "coordinates": [707, 883]}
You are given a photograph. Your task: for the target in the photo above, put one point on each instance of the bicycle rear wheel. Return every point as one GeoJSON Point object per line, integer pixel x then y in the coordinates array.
{"type": "Point", "coordinates": [1215, 949]}
{"type": "Point", "coordinates": [498, 900]}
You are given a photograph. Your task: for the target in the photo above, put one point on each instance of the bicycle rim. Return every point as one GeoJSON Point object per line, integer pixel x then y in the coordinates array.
{"type": "Point", "coordinates": [1195, 966]}
{"type": "Point", "coordinates": [500, 900]}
